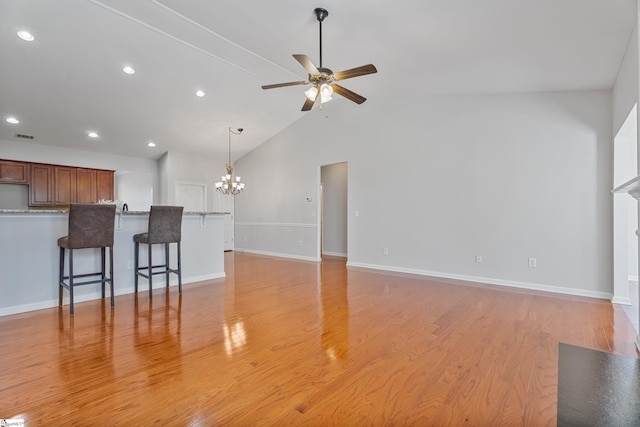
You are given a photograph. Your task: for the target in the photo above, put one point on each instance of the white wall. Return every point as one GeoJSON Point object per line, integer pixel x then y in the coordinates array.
{"type": "Point", "coordinates": [163, 179]}
{"type": "Point", "coordinates": [334, 209]}
{"type": "Point", "coordinates": [135, 189]}
{"type": "Point", "coordinates": [14, 196]}
{"type": "Point", "coordinates": [440, 179]}
{"type": "Point", "coordinates": [177, 167]}
{"type": "Point", "coordinates": [625, 90]}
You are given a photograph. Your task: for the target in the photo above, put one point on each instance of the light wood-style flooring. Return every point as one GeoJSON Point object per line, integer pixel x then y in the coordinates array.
{"type": "Point", "coordinates": [284, 342]}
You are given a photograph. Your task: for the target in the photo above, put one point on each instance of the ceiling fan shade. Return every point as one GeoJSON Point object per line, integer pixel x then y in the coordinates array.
{"type": "Point", "coordinates": [323, 79]}
{"type": "Point", "coordinates": [325, 93]}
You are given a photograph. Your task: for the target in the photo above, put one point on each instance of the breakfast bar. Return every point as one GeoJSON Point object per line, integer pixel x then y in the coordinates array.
{"type": "Point", "coordinates": [29, 255]}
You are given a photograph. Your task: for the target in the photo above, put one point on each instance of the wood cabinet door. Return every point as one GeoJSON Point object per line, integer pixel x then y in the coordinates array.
{"type": "Point", "coordinates": [104, 185]}
{"type": "Point", "coordinates": [64, 185]}
{"type": "Point", "coordinates": [14, 172]}
{"type": "Point", "coordinates": [86, 186]}
{"type": "Point", "coordinates": [41, 185]}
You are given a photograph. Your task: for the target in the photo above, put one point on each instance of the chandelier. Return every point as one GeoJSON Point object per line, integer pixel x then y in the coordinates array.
{"type": "Point", "coordinates": [229, 184]}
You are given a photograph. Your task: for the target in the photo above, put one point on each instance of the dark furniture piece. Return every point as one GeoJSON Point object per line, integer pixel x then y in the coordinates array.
{"type": "Point", "coordinates": [90, 226]}
{"type": "Point", "coordinates": [165, 226]}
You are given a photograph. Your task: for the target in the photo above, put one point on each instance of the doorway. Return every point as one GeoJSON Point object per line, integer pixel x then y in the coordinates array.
{"type": "Point", "coordinates": [333, 209]}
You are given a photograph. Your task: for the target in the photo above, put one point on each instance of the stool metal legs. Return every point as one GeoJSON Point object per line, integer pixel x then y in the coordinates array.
{"type": "Point", "coordinates": [72, 277]}
{"type": "Point", "coordinates": [149, 268]}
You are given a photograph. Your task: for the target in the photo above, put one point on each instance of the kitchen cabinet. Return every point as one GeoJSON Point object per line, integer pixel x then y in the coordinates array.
{"type": "Point", "coordinates": [64, 185]}
{"type": "Point", "coordinates": [57, 185]}
{"type": "Point", "coordinates": [104, 182]}
{"type": "Point", "coordinates": [14, 172]}
{"type": "Point", "coordinates": [41, 185]}
{"type": "Point", "coordinates": [86, 186]}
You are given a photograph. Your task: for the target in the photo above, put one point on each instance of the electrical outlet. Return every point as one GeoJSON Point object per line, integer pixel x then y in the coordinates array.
{"type": "Point", "coordinates": [356, 213]}
{"type": "Point", "coordinates": [479, 259]}
{"type": "Point", "coordinates": [300, 243]}
{"type": "Point", "coordinates": [385, 251]}
{"type": "Point", "coordinates": [129, 265]}
{"type": "Point", "coordinates": [533, 262]}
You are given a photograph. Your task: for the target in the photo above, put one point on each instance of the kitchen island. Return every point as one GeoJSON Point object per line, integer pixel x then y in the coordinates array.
{"type": "Point", "coordinates": [29, 256]}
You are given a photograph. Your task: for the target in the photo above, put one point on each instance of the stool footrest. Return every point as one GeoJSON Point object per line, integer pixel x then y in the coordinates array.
{"type": "Point", "coordinates": [89, 282]}
{"type": "Point", "coordinates": [99, 273]}
{"type": "Point", "coordinates": [146, 276]}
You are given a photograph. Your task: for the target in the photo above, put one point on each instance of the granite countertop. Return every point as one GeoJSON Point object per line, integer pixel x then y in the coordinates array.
{"type": "Point", "coordinates": [66, 211]}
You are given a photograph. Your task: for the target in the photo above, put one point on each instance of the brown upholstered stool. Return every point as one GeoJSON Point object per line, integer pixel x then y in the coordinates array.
{"type": "Point", "coordinates": [165, 226]}
{"type": "Point", "coordinates": [90, 226]}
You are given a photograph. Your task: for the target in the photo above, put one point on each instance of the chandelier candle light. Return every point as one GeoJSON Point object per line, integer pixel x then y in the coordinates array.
{"type": "Point", "coordinates": [229, 184]}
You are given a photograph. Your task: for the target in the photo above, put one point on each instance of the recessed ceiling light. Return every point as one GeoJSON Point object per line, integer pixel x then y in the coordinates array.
{"type": "Point", "coordinates": [128, 70]}
{"type": "Point", "coordinates": [13, 120]}
{"type": "Point", "coordinates": [200, 93]}
{"type": "Point", "coordinates": [151, 144]}
{"type": "Point", "coordinates": [26, 36]}
{"type": "Point", "coordinates": [92, 134]}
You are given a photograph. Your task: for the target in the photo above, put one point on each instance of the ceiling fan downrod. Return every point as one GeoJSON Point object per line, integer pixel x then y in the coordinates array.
{"type": "Point", "coordinates": [321, 14]}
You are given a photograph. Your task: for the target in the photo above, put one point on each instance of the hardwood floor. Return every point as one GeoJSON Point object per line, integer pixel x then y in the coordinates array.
{"type": "Point", "coordinates": [284, 342]}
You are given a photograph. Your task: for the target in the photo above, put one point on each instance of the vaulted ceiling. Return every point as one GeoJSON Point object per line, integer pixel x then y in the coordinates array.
{"type": "Point", "coordinates": [69, 80]}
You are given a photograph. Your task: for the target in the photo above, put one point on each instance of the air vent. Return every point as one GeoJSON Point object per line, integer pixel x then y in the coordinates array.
{"type": "Point", "coordinates": [23, 136]}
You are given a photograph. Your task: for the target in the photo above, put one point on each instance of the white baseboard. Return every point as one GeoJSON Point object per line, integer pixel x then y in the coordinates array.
{"type": "Point", "coordinates": [486, 280]}
{"type": "Point", "coordinates": [339, 254]}
{"type": "Point", "coordinates": [16, 309]}
{"type": "Point", "coordinates": [620, 300]}
{"type": "Point", "coordinates": [279, 255]}
{"type": "Point", "coordinates": [199, 278]}
{"type": "Point", "coordinates": [142, 286]}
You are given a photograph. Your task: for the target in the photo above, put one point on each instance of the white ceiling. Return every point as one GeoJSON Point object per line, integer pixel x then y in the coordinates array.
{"type": "Point", "coordinates": [70, 80]}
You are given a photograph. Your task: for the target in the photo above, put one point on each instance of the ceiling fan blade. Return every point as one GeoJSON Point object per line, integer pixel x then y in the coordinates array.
{"type": "Point", "coordinates": [306, 63]}
{"type": "Point", "coordinates": [308, 103]}
{"type": "Point", "coordinates": [352, 96]}
{"type": "Point", "coordinates": [355, 72]}
{"type": "Point", "coordinates": [303, 82]}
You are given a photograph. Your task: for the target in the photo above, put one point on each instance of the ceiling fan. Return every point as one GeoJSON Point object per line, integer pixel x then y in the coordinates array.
{"type": "Point", "coordinates": [323, 79]}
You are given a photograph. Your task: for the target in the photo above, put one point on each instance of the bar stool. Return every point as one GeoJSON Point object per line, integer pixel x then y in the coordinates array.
{"type": "Point", "coordinates": [165, 226]}
{"type": "Point", "coordinates": [90, 226]}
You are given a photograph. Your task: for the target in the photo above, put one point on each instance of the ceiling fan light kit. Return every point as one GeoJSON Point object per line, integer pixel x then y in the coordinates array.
{"type": "Point", "coordinates": [323, 79]}
{"type": "Point", "coordinates": [325, 93]}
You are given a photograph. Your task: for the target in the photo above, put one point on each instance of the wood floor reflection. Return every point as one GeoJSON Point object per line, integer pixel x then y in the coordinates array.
{"type": "Point", "coordinates": [285, 342]}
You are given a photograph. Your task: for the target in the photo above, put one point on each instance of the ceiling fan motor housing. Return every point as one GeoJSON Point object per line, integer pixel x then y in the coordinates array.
{"type": "Point", "coordinates": [325, 75]}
